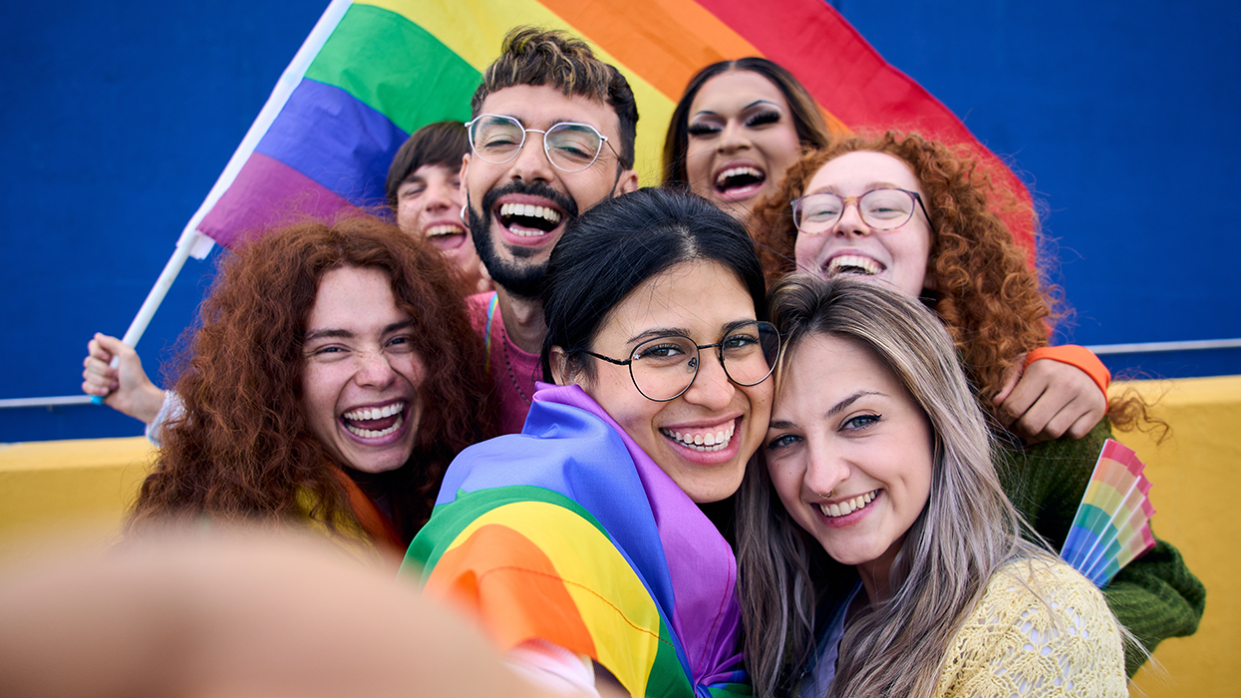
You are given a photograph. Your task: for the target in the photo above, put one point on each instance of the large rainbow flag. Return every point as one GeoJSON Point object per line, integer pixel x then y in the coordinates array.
{"type": "Point", "coordinates": [569, 533]}
{"type": "Point", "coordinates": [373, 71]}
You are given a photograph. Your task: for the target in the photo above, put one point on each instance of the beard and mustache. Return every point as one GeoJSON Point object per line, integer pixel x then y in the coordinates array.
{"type": "Point", "coordinates": [518, 277]}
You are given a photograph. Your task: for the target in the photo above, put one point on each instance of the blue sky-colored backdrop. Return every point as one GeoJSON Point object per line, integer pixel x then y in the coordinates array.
{"type": "Point", "coordinates": [118, 118]}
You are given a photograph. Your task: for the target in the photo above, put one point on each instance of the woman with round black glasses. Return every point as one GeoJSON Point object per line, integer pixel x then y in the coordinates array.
{"type": "Point", "coordinates": [584, 544]}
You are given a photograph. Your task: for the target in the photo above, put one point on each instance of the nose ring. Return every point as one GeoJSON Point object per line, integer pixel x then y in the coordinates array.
{"type": "Point", "coordinates": [828, 495]}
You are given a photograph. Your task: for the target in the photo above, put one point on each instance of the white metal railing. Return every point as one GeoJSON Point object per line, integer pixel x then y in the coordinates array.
{"type": "Point", "coordinates": [1100, 349]}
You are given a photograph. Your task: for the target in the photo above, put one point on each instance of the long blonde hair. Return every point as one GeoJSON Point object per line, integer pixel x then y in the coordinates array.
{"type": "Point", "coordinates": [966, 531]}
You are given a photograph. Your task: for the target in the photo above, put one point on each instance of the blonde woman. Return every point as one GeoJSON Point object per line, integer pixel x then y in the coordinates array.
{"type": "Point", "coordinates": [879, 456]}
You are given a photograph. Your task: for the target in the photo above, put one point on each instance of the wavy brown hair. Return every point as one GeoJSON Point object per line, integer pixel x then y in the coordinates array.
{"type": "Point", "coordinates": [244, 449]}
{"type": "Point", "coordinates": [988, 297]}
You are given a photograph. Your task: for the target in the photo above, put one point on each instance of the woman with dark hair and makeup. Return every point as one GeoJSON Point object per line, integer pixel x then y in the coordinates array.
{"type": "Point", "coordinates": [586, 544]}
{"type": "Point", "coordinates": [915, 215]}
{"type": "Point", "coordinates": [736, 129]}
{"type": "Point", "coordinates": [424, 190]}
{"type": "Point", "coordinates": [333, 378]}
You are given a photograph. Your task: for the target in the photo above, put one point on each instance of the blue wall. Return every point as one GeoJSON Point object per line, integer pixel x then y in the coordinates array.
{"type": "Point", "coordinates": [119, 117]}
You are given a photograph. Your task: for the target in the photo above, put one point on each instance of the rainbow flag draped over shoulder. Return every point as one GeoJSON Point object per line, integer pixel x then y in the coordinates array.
{"type": "Point", "coordinates": [570, 533]}
{"type": "Point", "coordinates": [373, 72]}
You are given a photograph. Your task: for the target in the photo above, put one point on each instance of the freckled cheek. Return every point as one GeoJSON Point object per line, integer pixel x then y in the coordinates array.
{"type": "Point", "coordinates": [806, 250]}
{"type": "Point", "coordinates": [407, 216]}
{"type": "Point", "coordinates": [786, 478]}
{"type": "Point", "coordinates": [411, 367]}
{"type": "Point", "coordinates": [320, 390]}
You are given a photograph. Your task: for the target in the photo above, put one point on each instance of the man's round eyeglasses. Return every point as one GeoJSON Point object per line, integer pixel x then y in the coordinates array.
{"type": "Point", "coordinates": [881, 209]}
{"type": "Point", "coordinates": [570, 146]}
{"type": "Point", "coordinates": [665, 367]}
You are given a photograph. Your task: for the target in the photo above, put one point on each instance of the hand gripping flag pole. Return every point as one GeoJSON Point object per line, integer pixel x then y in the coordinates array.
{"type": "Point", "coordinates": [193, 242]}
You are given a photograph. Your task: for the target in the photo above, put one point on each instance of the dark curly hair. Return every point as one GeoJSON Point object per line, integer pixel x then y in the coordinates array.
{"type": "Point", "coordinates": [244, 449]}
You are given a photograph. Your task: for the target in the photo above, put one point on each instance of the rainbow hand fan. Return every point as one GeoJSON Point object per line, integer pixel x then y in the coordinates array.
{"type": "Point", "coordinates": [1112, 524]}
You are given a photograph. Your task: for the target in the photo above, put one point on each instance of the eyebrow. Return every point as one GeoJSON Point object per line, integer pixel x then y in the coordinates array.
{"type": "Point", "coordinates": [845, 403]}
{"type": "Point", "coordinates": [662, 331]}
{"type": "Point", "coordinates": [869, 187]}
{"type": "Point", "coordinates": [831, 412]}
{"type": "Point", "coordinates": [554, 121]}
{"type": "Point", "coordinates": [757, 101]}
{"type": "Point", "coordinates": [314, 335]}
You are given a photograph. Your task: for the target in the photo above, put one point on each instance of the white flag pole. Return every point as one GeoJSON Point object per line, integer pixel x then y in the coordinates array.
{"type": "Point", "coordinates": [193, 242]}
{"type": "Point", "coordinates": [189, 237]}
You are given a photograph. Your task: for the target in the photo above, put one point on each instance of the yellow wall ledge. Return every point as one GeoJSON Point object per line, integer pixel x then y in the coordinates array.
{"type": "Point", "coordinates": [53, 484]}
{"type": "Point", "coordinates": [1196, 475]}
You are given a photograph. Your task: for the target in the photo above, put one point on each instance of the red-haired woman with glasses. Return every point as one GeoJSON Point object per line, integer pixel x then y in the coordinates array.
{"type": "Point", "coordinates": [914, 214]}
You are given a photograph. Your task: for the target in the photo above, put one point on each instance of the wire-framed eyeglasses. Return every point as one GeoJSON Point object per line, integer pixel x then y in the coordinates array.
{"type": "Point", "coordinates": [881, 209]}
{"type": "Point", "coordinates": [570, 146]}
{"type": "Point", "coordinates": [665, 367]}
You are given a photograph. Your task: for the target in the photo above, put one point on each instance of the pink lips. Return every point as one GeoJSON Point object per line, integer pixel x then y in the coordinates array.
{"type": "Point", "coordinates": [737, 193]}
{"type": "Point", "coordinates": [850, 518]}
{"type": "Point", "coordinates": [708, 458]}
{"type": "Point", "coordinates": [523, 236]}
{"type": "Point", "coordinates": [444, 235]}
{"type": "Point", "coordinates": [381, 422]}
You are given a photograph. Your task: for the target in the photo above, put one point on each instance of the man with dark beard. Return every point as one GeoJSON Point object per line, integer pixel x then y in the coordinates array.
{"type": "Point", "coordinates": [552, 135]}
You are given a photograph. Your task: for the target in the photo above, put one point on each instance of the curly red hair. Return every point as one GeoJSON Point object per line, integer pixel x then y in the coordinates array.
{"type": "Point", "coordinates": [989, 298]}
{"type": "Point", "coordinates": [244, 448]}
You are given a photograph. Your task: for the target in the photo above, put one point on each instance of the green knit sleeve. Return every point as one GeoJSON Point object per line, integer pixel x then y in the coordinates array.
{"type": "Point", "coordinates": [1154, 597]}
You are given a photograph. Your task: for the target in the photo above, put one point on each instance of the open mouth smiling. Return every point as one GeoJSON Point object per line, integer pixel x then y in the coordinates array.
{"type": "Point", "coordinates": [848, 506]}
{"type": "Point", "coordinates": [528, 220]}
{"type": "Point", "coordinates": [375, 422]}
{"type": "Point", "coordinates": [739, 180]}
{"type": "Point", "coordinates": [445, 235]}
{"type": "Point", "coordinates": [852, 264]}
{"type": "Point", "coordinates": [704, 441]}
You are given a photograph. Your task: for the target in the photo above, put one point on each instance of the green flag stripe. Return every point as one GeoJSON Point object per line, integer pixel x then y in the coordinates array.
{"type": "Point", "coordinates": [397, 68]}
{"type": "Point", "coordinates": [452, 517]}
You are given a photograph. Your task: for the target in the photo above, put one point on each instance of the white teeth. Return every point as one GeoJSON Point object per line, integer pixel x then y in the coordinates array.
{"type": "Point", "coordinates": [369, 434]}
{"type": "Point", "coordinates": [530, 211]}
{"type": "Point", "coordinates": [736, 172]}
{"type": "Point", "coordinates": [854, 263]}
{"type": "Point", "coordinates": [437, 230]}
{"type": "Point", "coordinates": [367, 414]}
{"type": "Point", "coordinates": [849, 505]}
{"type": "Point", "coordinates": [706, 442]}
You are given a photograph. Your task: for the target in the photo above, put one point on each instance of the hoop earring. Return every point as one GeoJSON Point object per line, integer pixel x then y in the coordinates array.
{"type": "Point", "coordinates": [463, 219]}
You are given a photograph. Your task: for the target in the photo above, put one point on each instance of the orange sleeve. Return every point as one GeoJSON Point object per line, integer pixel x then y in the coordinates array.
{"type": "Point", "coordinates": [1078, 357]}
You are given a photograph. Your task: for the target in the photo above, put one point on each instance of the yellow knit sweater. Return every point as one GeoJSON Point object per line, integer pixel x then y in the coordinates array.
{"type": "Point", "coordinates": [1041, 629]}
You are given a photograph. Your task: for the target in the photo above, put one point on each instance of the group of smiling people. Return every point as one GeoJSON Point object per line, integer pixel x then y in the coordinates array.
{"type": "Point", "coordinates": [665, 477]}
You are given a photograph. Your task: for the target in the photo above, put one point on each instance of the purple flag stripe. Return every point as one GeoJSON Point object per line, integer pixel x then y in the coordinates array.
{"type": "Point", "coordinates": [267, 193]}
{"type": "Point", "coordinates": [331, 137]}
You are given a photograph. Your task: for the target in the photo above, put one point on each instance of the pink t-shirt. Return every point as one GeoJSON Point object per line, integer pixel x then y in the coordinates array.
{"type": "Point", "coordinates": [512, 370]}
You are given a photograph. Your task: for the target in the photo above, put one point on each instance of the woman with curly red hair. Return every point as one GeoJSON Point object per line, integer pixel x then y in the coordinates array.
{"type": "Point", "coordinates": [916, 214]}
{"type": "Point", "coordinates": [334, 377]}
